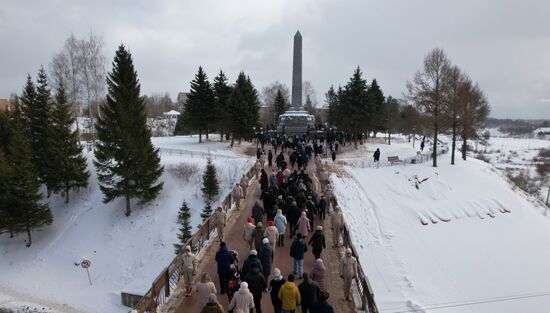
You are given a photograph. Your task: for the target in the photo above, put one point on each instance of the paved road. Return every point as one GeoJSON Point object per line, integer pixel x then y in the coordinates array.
{"type": "Point", "coordinates": [282, 259]}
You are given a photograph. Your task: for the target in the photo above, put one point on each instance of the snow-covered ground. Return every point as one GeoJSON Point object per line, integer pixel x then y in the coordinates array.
{"type": "Point", "coordinates": [126, 253]}
{"type": "Point", "coordinates": [450, 242]}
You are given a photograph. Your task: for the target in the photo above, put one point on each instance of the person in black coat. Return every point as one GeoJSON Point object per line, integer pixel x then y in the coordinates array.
{"type": "Point", "coordinates": [256, 285]}
{"type": "Point", "coordinates": [266, 257]}
{"type": "Point", "coordinates": [292, 216]}
{"type": "Point", "coordinates": [376, 155]}
{"type": "Point", "coordinates": [333, 156]}
{"type": "Point", "coordinates": [224, 260]}
{"type": "Point", "coordinates": [258, 212]}
{"type": "Point", "coordinates": [309, 291]}
{"type": "Point", "coordinates": [322, 306]}
{"type": "Point", "coordinates": [250, 263]}
{"type": "Point", "coordinates": [297, 251]}
{"type": "Point", "coordinates": [322, 207]}
{"type": "Point", "coordinates": [269, 158]}
{"type": "Point", "coordinates": [275, 284]}
{"type": "Point", "coordinates": [317, 242]}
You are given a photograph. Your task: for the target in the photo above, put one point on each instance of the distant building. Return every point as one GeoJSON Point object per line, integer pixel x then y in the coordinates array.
{"type": "Point", "coordinates": [4, 105]}
{"type": "Point", "coordinates": [173, 114]}
{"type": "Point", "coordinates": [265, 115]}
{"type": "Point", "coordinates": [322, 114]}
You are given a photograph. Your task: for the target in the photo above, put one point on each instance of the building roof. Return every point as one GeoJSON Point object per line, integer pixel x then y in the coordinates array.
{"type": "Point", "coordinates": [172, 112]}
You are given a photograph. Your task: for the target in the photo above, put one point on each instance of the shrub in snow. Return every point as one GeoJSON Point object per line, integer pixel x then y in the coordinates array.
{"type": "Point", "coordinates": [183, 170]}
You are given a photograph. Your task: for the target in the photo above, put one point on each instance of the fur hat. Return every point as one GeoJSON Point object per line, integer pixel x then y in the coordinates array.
{"type": "Point", "coordinates": [212, 298]}
{"type": "Point", "coordinates": [244, 285]}
{"type": "Point", "coordinates": [187, 248]}
{"type": "Point", "coordinates": [319, 227]}
{"type": "Point", "coordinates": [348, 250]}
{"type": "Point", "coordinates": [253, 252]}
{"type": "Point", "coordinates": [276, 272]}
{"type": "Point", "coordinates": [265, 240]}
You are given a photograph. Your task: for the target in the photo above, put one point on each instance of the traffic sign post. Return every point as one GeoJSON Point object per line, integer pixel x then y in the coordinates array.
{"type": "Point", "coordinates": [86, 265]}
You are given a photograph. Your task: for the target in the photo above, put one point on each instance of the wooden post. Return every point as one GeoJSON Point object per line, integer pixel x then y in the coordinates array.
{"type": "Point", "coordinates": [167, 285]}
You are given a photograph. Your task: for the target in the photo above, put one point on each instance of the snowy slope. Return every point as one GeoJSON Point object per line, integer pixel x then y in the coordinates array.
{"type": "Point", "coordinates": [469, 249]}
{"type": "Point", "coordinates": [126, 253]}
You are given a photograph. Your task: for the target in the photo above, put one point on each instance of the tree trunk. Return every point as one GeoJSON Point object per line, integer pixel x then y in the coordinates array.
{"type": "Point", "coordinates": [454, 142]}
{"type": "Point", "coordinates": [66, 192]}
{"type": "Point", "coordinates": [128, 208]}
{"type": "Point", "coordinates": [435, 146]}
{"type": "Point", "coordinates": [29, 242]}
{"type": "Point", "coordinates": [200, 137]}
{"type": "Point", "coordinates": [464, 147]}
{"type": "Point", "coordinates": [389, 137]}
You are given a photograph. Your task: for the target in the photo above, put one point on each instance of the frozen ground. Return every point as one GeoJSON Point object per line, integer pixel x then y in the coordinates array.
{"type": "Point", "coordinates": [449, 243]}
{"type": "Point", "coordinates": [126, 253]}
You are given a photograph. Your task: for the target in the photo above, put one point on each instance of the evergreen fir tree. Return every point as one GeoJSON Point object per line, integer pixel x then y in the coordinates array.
{"type": "Point", "coordinates": [309, 107]}
{"type": "Point", "coordinates": [66, 167]}
{"type": "Point", "coordinates": [22, 198]}
{"type": "Point", "coordinates": [280, 104]}
{"type": "Point", "coordinates": [353, 101]}
{"type": "Point", "coordinates": [184, 234]}
{"type": "Point", "coordinates": [222, 92]}
{"type": "Point", "coordinates": [127, 163]}
{"type": "Point", "coordinates": [331, 99]}
{"type": "Point", "coordinates": [199, 114]}
{"type": "Point", "coordinates": [375, 107]}
{"type": "Point", "coordinates": [244, 107]}
{"type": "Point", "coordinates": [28, 99]}
{"type": "Point", "coordinates": [210, 188]}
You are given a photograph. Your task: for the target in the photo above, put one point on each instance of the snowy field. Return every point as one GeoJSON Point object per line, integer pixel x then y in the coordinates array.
{"type": "Point", "coordinates": [126, 253]}
{"type": "Point", "coordinates": [463, 236]}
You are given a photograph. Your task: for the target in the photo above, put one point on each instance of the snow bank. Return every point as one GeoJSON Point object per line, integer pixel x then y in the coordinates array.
{"type": "Point", "coordinates": [449, 242]}
{"type": "Point", "coordinates": [127, 253]}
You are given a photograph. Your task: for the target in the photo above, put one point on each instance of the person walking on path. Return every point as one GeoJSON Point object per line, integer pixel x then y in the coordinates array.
{"type": "Point", "coordinates": [336, 224]}
{"type": "Point", "coordinates": [205, 288]}
{"type": "Point", "coordinates": [244, 184]}
{"type": "Point", "coordinates": [317, 242]}
{"type": "Point", "coordinates": [269, 158]}
{"type": "Point", "coordinates": [224, 260]}
{"type": "Point", "coordinates": [237, 195]}
{"type": "Point", "coordinates": [247, 233]}
{"type": "Point", "coordinates": [219, 218]}
{"type": "Point", "coordinates": [257, 284]}
{"type": "Point", "coordinates": [257, 169]}
{"type": "Point", "coordinates": [348, 272]}
{"type": "Point", "coordinates": [272, 233]}
{"type": "Point", "coordinates": [322, 306]}
{"type": "Point", "coordinates": [293, 214]}
{"type": "Point", "coordinates": [280, 223]}
{"type": "Point", "coordinates": [322, 207]}
{"type": "Point", "coordinates": [264, 181]}
{"type": "Point", "coordinates": [275, 285]}
{"type": "Point", "coordinates": [258, 236]}
{"type": "Point", "coordinates": [333, 156]}
{"type": "Point", "coordinates": [258, 212]}
{"type": "Point", "coordinates": [266, 257]}
{"type": "Point", "coordinates": [376, 155]}
{"type": "Point", "coordinates": [189, 267]}
{"type": "Point", "coordinates": [318, 273]}
{"type": "Point", "coordinates": [309, 291]}
{"type": "Point", "coordinates": [212, 306]}
{"type": "Point", "coordinates": [303, 225]}
{"type": "Point", "coordinates": [250, 263]}
{"type": "Point", "coordinates": [242, 299]}
{"type": "Point", "coordinates": [289, 296]}
{"type": "Point", "coordinates": [262, 159]}
{"type": "Point", "coordinates": [297, 250]}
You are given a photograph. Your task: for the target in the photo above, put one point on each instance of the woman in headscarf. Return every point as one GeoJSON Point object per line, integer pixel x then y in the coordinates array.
{"type": "Point", "coordinates": [318, 273]}
{"type": "Point", "coordinates": [205, 288]}
{"type": "Point", "coordinates": [303, 225]}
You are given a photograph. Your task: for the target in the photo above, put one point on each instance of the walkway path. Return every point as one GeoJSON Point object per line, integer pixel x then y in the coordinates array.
{"type": "Point", "coordinates": [282, 259]}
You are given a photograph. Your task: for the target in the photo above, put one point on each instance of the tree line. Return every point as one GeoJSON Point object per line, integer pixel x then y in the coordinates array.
{"type": "Point", "coordinates": [232, 110]}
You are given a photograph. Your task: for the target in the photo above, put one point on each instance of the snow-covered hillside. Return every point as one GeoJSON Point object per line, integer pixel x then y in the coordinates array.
{"type": "Point", "coordinates": [127, 253]}
{"type": "Point", "coordinates": [451, 241]}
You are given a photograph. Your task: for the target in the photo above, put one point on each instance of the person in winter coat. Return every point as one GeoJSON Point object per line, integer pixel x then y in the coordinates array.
{"type": "Point", "coordinates": [280, 223]}
{"type": "Point", "coordinates": [329, 195]}
{"type": "Point", "coordinates": [317, 242]}
{"type": "Point", "coordinates": [242, 299]}
{"type": "Point", "coordinates": [219, 219]}
{"type": "Point", "coordinates": [376, 155]}
{"type": "Point", "coordinates": [248, 229]}
{"type": "Point", "coordinates": [224, 260]}
{"type": "Point", "coordinates": [280, 178]}
{"type": "Point", "coordinates": [251, 262]}
{"type": "Point", "coordinates": [311, 211]}
{"type": "Point", "coordinates": [303, 225]}
{"type": "Point", "coordinates": [272, 233]}
{"type": "Point", "coordinates": [301, 199]}
{"type": "Point", "coordinates": [266, 257]}
{"type": "Point", "coordinates": [189, 267]}
{"type": "Point", "coordinates": [270, 158]}
{"type": "Point", "coordinates": [273, 180]}
{"type": "Point", "coordinates": [262, 159]}
{"type": "Point", "coordinates": [257, 284]}
{"type": "Point", "coordinates": [309, 291]}
{"type": "Point", "coordinates": [212, 306]}
{"type": "Point", "coordinates": [264, 182]}
{"type": "Point", "coordinates": [258, 235]}
{"type": "Point", "coordinates": [293, 214]}
{"type": "Point", "coordinates": [205, 288]}
{"type": "Point", "coordinates": [258, 212]}
{"type": "Point", "coordinates": [297, 250]}
{"type": "Point", "coordinates": [289, 295]}
{"type": "Point", "coordinates": [333, 156]}
{"type": "Point", "coordinates": [237, 195]}
{"type": "Point", "coordinates": [322, 306]}
{"type": "Point", "coordinates": [348, 272]}
{"type": "Point", "coordinates": [275, 285]}
{"type": "Point", "coordinates": [336, 224]}
{"type": "Point", "coordinates": [257, 169]}
{"type": "Point", "coordinates": [322, 207]}
{"type": "Point", "coordinates": [244, 184]}
{"type": "Point", "coordinates": [318, 273]}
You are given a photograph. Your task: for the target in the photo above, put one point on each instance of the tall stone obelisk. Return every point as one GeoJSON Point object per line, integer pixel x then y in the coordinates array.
{"type": "Point", "coordinates": [297, 73]}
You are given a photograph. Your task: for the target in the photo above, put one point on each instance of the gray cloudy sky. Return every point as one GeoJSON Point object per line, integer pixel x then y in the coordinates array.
{"type": "Point", "coordinates": [502, 44]}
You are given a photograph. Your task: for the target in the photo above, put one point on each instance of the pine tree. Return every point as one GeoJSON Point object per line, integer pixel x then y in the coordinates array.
{"type": "Point", "coordinates": [28, 99]}
{"type": "Point", "coordinates": [375, 107]}
{"type": "Point", "coordinates": [184, 234]}
{"type": "Point", "coordinates": [66, 167]}
{"type": "Point", "coordinates": [353, 103]}
{"type": "Point", "coordinates": [309, 106]}
{"type": "Point", "coordinates": [332, 101]}
{"type": "Point", "coordinates": [244, 107]}
{"type": "Point", "coordinates": [222, 92]}
{"type": "Point", "coordinates": [280, 104]}
{"type": "Point", "coordinates": [22, 198]}
{"type": "Point", "coordinates": [210, 188]}
{"type": "Point", "coordinates": [199, 114]}
{"type": "Point", "coordinates": [127, 163]}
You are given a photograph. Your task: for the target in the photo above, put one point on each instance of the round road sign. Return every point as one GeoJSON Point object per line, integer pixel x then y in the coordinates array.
{"type": "Point", "coordinates": [86, 263]}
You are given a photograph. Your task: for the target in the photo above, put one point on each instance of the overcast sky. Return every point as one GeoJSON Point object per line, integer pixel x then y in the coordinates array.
{"type": "Point", "coordinates": [502, 44]}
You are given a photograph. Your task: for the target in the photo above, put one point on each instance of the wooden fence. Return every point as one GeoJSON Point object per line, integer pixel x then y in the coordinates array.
{"type": "Point", "coordinates": [165, 283]}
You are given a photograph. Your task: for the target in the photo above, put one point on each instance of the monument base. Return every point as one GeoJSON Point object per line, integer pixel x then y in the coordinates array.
{"type": "Point", "coordinates": [296, 122]}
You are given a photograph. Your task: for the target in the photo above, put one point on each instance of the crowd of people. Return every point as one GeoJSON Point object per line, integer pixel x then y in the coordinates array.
{"type": "Point", "coordinates": [287, 208]}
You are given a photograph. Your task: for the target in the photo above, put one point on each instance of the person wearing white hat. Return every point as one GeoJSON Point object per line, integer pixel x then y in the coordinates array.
{"type": "Point", "coordinates": [242, 299]}
{"type": "Point", "coordinates": [189, 268]}
{"type": "Point", "coordinates": [348, 272]}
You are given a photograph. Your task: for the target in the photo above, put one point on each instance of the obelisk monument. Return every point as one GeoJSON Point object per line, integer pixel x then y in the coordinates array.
{"type": "Point", "coordinates": [297, 73]}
